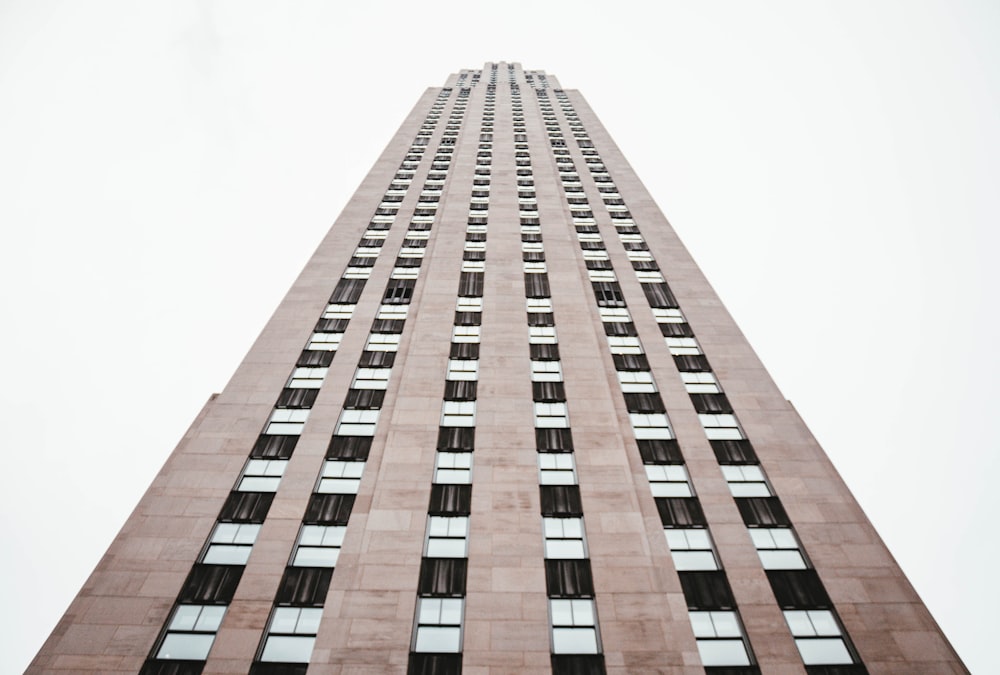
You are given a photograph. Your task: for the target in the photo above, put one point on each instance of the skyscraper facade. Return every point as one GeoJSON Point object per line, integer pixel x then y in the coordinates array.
{"type": "Point", "coordinates": [500, 423]}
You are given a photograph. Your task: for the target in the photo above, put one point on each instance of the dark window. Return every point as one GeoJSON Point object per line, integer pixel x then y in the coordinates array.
{"type": "Point", "coordinates": [376, 359]}
{"type": "Point", "coordinates": [398, 291]}
{"type": "Point", "coordinates": [246, 507]}
{"type": "Point", "coordinates": [644, 403]}
{"type": "Point", "coordinates": [304, 586]}
{"type": "Point", "coordinates": [619, 329]}
{"type": "Point", "coordinates": [762, 511]}
{"type": "Point", "coordinates": [541, 319]}
{"type": "Point", "coordinates": [328, 509]}
{"type": "Point", "coordinates": [332, 325]}
{"type": "Point", "coordinates": [544, 352]}
{"type": "Point", "coordinates": [660, 451]}
{"type": "Point", "coordinates": [274, 447]}
{"type": "Point", "coordinates": [536, 286]}
{"type": "Point", "coordinates": [211, 584]}
{"type": "Point", "coordinates": [554, 440]}
{"type": "Point", "coordinates": [348, 291]}
{"type": "Point", "coordinates": [364, 399]}
{"type": "Point", "coordinates": [707, 590]}
{"type": "Point", "coordinates": [456, 438]}
{"type": "Point", "coordinates": [711, 403]}
{"type": "Point", "coordinates": [475, 236]}
{"type": "Point", "coordinates": [313, 358]}
{"type": "Point", "coordinates": [734, 452]}
{"type": "Point", "coordinates": [443, 577]}
{"type": "Point", "coordinates": [264, 668]}
{"type": "Point", "coordinates": [434, 664]}
{"type": "Point", "coordinates": [569, 579]}
{"type": "Point", "coordinates": [533, 256]}
{"type": "Point", "coordinates": [642, 265]}
{"type": "Point", "coordinates": [297, 398]}
{"type": "Point", "coordinates": [680, 511]}
{"type": "Point", "coordinates": [349, 447]}
{"type": "Point", "coordinates": [578, 664]}
{"type": "Point", "coordinates": [630, 361]}
{"type": "Point", "coordinates": [561, 500]}
{"type": "Point", "coordinates": [461, 390]}
{"type": "Point", "coordinates": [676, 330]}
{"type": "Point", "coordinates": [659, 295]}
{"type": "Point", "coordinates": [408, 262]}
{"type": "Point", "coordinates": [598, 264]}
{"type": "Point", "coordinates": [608, 294]}
{"type": "Point", "coordinates": [392, 326]}
{"type": "Point", "coordinates": [468, 318]}
{"type": "Point", "coordinates": [464, 350]}
{"type": "Point", "coordinates": [692, 363]}
{"type": "Point", "coordinates": [154, 667]}
{"type": "Point", "coordinates": [548, 392]}
{"type": "Point", "coordinates": [450, 500]}
{"type": "Point", "coordinates": [798, 589]}
{"type": "Point", "coordinates": [470, 285]}
{"type": "Point", "coordinates": [733, 670]}
{"type": "Point", "coordinates": [852, 669]}
{"type": "Point", "coordinates": [471, 255]}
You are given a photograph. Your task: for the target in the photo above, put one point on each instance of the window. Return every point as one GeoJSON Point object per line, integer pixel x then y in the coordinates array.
{"type": "Point", "coordinates": [563, 538]}
{"type": "Point", "coordinates": [439, 625]}
{"type": "Point", "coordinates": [534, 268]}
{"type": "Point", "coordinates": [721, 427]}
{"type": "Point", "coordinates": [357, 272]}
{"type": "Point", "coordinates": [287, 421]}
{"type": "Point", "coordinates": [458, 414]}
{"type": "Point", "coordinates": [682, 346]}
{"type": "Point", "coordinates": [325, 342]}
{"type": "Point", "coordinates": [668, 480]}
{"type": "Point", "coordinates": [453, 467]}
{"type": "Point", "coordinates": [469, 305]}
{"type": "Point", "coordinates": [615, 314]}
{"type": "Point", "coordinates": [602, 275]}
{"type": "Point", "coordinates": [308, 378]}
{"type": "Point", "coordinates": [382, 342]}
{"type": "Point", "coordinates": [405, 272]}
{"type": "Point", "coordinates": [465, 334]}
{"type": "Point", "coordinates": [539, 305]}
{"type": "Point", "coordinates": [691, 549]}
{"type": "Point", "coordinates": [556, 468]}
{"type": "Point", "coordinates": [357, 423]}
{"type": "Point", "coordinates": [664, 315]}
{"type": "Point", "coordinates": [574, 626]}
{"type": "Point", "coordinates": [777, 548]}
{"type": "Point", "coordinates": [371, 378]}
{"type": "Point", "coordinates": [463, 369]}
{"type": "Point", "coordinates": [291, 634]}
{"type": "Point", "coordinates": [447, 537]}
{"type": "Point", "coordinates": [648, 277]}
{"type": "Point", "coordinates": [191, 632]}
{"type": "Point", "coordinates": [651, 426]}
{"type": "Point", "coordinates": [624, 345]}
{"type": "Point", "coordinates": [701, 383]}
{"type": "Point", "coordinates": [262, 475]}
{"type": "Point", "coordinates": [337, 311]}
{"type": "Point", "coordinates": [818, 637]}
{"type": "Point", "coordinates": [542, 335]}
{"type": "Point", "coordinates": [546, 371]}
{"type": "Point", "coordinates": [473, 266]}
{"type": "Point", "coordinates": [720, 639]}
{"type": "Point", "coordinates": [319, 545]}
{"type": "Point", "coordinates": [636, 381]}
{"type": "Point", "coordinates": [551, 415]}
{"type": "Point", "coordinates": [340, 477]}
{"type": "Point", "coordinates": [231, 544]}
{"type": "Point", "coordinates": [746, 480]}
{"type": "Point", "coordinates": [595, 254]}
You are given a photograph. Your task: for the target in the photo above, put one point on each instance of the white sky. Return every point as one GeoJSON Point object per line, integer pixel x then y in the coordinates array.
{"type": "Point", "coordinates": [166, 169]}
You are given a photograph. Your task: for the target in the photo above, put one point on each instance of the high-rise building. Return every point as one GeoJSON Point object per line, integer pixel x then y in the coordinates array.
{"type": "Point", "coordinates": [500, 423]}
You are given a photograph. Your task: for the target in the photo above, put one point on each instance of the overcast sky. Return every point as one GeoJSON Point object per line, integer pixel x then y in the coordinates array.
{"type": "Point", "coordinates": [167, 168]}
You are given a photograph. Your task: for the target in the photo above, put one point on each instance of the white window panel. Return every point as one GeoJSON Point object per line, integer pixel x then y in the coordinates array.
{"type": "Point", "coordinates": [649, 426]}
{"type": "Point", "coordinates": [357, 272]}
{"type": "Point", "coordinates": [465, 304]}
{"type": "Point", "coordinates": [479, 214]}
{"type": "Point", "coordinates": [647, 277]}
{"type": "Point", "coordinates": [465, 334]}
{"type": "Point", "coordinates": [630, 237]}
{"type": "Point", "coordinates": [383, 342]}
{"type": "Point", "coordinates": [721, 427]}
{"type": "Point", "coordinates": [615, 314]}
{"type": "Point", "coordinates": [453, 468]}
{"type": "Point", "coordinates": [230, 544]}
{"type": "Point", "coordinates": [691, 549]}
{"type": "Point", "coordinates": [542, 335]}
{"type": "Point", "coordinates": [475, 246]}
{"type": "Point", "coordinates": [546, 371]}
{"type": "Point", "coordinates": [668, 315]}
{"type": "Point", "coordinates": [367, 252]}
{"type": "Point", "coordinates": [532, 247]}
{"type": "Point", "coordinates": [340, 477]}
{"type": "Point", "coordinates": [588, 236]}
{"type": "Point", "coordinates": [682, 346]}
{"type": "Point", "coordinates": [817, 635]}
{"type": "Point", "coordinates": [447, 537]}
{"type": "Point", "coordinates": [636, 381]}
{"type": "Point", "coordinates": [325, 342]}
{"type": "Point", "coordinates": [476, 228]}
{"type": "Point", "coordinates": [338, 312]}
{"type": "Point", "coordinates": [624, 345]}
{"type": "Point", "coordinates": [720, 638]}
{"type": "Point", "coordinates": [534, 268]}
{"type": "Point", "coordinates": [458, 414]}
{"type": "Point", "coordinates": [639, 256]}
{"type": "Point", "coordinates": [418, 234]}
{"type": "Point", "coordinates": [262, 475]}
{"type": "Point", "coordinates": [287, 421]}
{"type": "Point", "coordinates": [463, 370]}
{"type": "Point", "coordinates": [564, 538]}
{"type": "Point", "coordinates": [357, 423]}
{"type": "Point", "coordinates": [388, 219]}
{"type": "Point", "coordinates": [405, 272]}
{"type": "Point", "coordinates": [319, 546]}
{"type": "Point", "coordinates": [778, 548]}
{"type": "Point", "coordinates": [531, 229]}
{"type": "Point", "coordinates": [701, 383]}
{"type": "Point", "coordinates": [601, 275]}
{"type": "Point", "coordinates": [439, 625]}
{"type": "Point", "coordinates": [574, 626]}
{"type": "Point", "coordinates": [397, 312]}
{"type": "Point", "coordinates": [411, 252]}
{"type": "Point", "coordinates": [375, 234]}
{"type": "Point", "coordinates": [746, 480]}
{"type": "Point", "coordinates": [599, 254]}
{"type": "Point", "coordinates": [556, 468]}
{"type": "Point", "coordinates": [191, 632]}
{"type": "Point", "coordinates": [307, 378]}
{"type": "Point", "coordinates": [371, 378]}
{"type": "Point", "coordinates": [539, 305]}
{"type": "Point", "coordinates": [551, 415]}
{"type": "Point", "coordinates": [668, 480]}
{"type": "Point", "coordinates": [291, 634]}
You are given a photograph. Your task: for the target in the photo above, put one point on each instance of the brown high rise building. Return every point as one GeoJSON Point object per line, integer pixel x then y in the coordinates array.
{"type": "Point", "coordinates": [500, 423]}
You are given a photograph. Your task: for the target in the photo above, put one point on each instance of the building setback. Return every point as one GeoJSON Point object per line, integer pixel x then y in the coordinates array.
{"type": "Point", "coordinates": [500, 424]}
